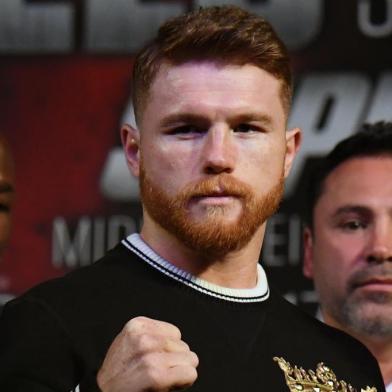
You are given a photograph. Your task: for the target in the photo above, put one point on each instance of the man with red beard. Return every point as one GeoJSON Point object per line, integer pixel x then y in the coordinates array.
{"type": "Point", "coordinates": [349, 230]}
{"type": "Point", "coordinates": [185, 304]}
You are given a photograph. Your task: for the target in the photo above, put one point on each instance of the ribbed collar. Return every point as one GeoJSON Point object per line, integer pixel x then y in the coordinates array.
{"type": "Point", "coordinates": [257, 294]}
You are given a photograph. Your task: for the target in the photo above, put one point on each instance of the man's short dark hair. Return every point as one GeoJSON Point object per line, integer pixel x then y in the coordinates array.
{"type": "Point", "coordinates": [371, 140]}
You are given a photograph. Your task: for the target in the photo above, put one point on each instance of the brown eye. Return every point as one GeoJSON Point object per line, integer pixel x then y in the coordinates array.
{"type": "Point", "coordinates": [244, 128]}
{"type": "Point", "coordinates": [186, 129]}
{"type": "Point", "coordinates": [353, 225]}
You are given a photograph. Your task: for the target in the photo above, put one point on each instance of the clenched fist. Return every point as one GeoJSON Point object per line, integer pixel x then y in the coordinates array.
{"type": "Point", "coordinates": [148, 355]}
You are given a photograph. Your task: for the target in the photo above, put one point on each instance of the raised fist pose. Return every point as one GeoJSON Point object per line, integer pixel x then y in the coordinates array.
{"type": "Point", "coordinates": [148, 355]}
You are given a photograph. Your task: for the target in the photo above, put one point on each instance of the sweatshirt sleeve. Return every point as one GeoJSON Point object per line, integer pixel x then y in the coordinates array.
{"type": "Point", "coordinates": [36, 353]}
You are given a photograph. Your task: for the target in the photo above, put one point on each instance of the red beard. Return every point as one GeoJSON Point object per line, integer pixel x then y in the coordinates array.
{"type": "Point", "coordinates": [213, 236]}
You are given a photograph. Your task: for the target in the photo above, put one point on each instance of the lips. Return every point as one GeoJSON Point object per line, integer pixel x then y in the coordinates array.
{"type": "Point", "coordinates": [214, 194]}
{"type": "Point", "coordinates": [223, 186]}
{"type": "Point", "coordinates": [214, 198]}
{"type": "Point", "coordinates": [217, 192]}
{"type": "Point", "coordinates": [380, 283]}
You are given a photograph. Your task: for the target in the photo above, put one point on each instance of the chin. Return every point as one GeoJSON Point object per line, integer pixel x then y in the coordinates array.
{"type": "Point", "coordinates": [214, 213]}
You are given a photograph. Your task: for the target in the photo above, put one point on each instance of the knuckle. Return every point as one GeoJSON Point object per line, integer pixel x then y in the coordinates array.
{"type": "Point", "coordinates": [192, 374]}
{"type": "Point", "coordinates": [194, 359]}
{"type": "Point", "coordinates": [170, 345]}
{"type": "Point", "coordinates": [136, 324]}
{"type": "Point", "coordinates": [146, 342]}
{"type": "Point", "coordinates": [188, 375]}
{"type": "Point", "coordinates": [176, 331]}
{"type": "Point", "coordinates": [185, 346]}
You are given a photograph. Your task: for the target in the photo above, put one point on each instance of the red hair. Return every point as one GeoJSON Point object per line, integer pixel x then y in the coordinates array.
{"type": "Point", "coordinates": [224, 34]}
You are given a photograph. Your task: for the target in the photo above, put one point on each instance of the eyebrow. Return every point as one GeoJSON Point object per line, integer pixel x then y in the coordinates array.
{"type": "Point", "coordinates": [196, 118]}
{"type": "Point", "coordinates": [347, 209]}
{"type": "Point", "coordinates": [182, 118]}
{"type": "Point", "coordinates": [249, 117]}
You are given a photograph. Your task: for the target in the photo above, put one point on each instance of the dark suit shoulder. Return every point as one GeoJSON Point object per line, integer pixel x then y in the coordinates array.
{"type": "Point", "coordinates": [302, 333]}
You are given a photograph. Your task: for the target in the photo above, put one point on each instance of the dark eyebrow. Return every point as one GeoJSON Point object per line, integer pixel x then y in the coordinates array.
{"type": "Point", "coordinates": [183, 118]}
{"type": "Point", "coordinates": [263, 118]}
{"type": "Point", "coordinates": [356, 209]}
{"type": "Point", "coordinates": [198, 119]}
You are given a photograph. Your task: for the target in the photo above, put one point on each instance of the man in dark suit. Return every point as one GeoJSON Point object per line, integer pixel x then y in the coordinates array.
{"type": "Point", "coordinates": [348, 239]}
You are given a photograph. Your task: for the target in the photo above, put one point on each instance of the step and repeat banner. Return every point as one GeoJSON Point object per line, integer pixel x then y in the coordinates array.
{"type": "Point", "coordinates": [65, 89]}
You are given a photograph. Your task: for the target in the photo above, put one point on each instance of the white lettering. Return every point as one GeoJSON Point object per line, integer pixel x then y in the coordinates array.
{"type": "Point", "coordinates": [381, 104]}
{"type": "Point", "coordinates": [125, 25]}
{"type": "Point", "coordinates": [75, 245]}
{"type": "Point", "coordinates": [297, 22]}
{"type": "Point", "coordinates": [35, 27]}
{"type": "Point", "coordinates": [367, 26]}
{"type": "Point", "coordinates": [67, 251]}
{"type": "Point", "coordinates": [275, 240]}
{"type": "Point", "coordinates": [328, 107]}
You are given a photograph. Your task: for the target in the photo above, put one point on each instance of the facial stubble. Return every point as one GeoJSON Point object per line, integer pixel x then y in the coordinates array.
{"type": "Point", "coordinates": [365, 313]}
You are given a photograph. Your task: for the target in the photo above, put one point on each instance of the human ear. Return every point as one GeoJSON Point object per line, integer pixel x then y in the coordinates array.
{"type": "Point", "coordinates": [293, 142]}
{"type": "Point", "coordinates": [130, 138]}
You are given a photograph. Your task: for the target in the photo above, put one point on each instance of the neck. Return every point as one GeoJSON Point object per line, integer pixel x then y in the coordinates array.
{"type": "Point", "coordinates": [237, 269]}
{"type": "Point", "coordinates": [381, 348]}
{"type": "Point", "coordinates": [382, 351]}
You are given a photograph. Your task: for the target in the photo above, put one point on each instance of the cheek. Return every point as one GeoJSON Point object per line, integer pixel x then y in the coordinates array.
{"type": "Point", "coordinates": [329, 275]}
{"type": "Point", "coordinates": [343, 248]}
{"type": "Point", "coordinates": [334, 256]}
{"type": "Point", "coordinates": [261, 167]}
{"type": "Point", "coordinates": [269, 153]}
{"type": "Point", "coordinates": [169, 166]}
{"type": "Point", "coordinates": [156, 158]}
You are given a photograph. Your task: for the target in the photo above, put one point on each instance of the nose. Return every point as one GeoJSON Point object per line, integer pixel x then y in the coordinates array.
{"type": "Point", "coordinates": [219, 151]}
{"type": "Point", "coordinates": [380, 243]}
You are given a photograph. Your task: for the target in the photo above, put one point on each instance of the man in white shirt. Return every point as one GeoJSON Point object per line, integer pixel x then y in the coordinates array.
{"type": "Point", "coordinates": [348, 239]}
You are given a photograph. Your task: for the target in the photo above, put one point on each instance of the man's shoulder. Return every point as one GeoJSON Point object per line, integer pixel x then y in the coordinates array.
{"type": "Point", "coordinates": [300, 323]}
{"type": "Point", "coordinates": [86, 284]}
{"type": "Point", "coordinates": [306, 341]}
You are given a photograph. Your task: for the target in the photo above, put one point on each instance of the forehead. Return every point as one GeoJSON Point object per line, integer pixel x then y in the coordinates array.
{"type": "Point", "coordinates": [200, 85]}
{"type": "Point", "coordinates": [364, 181]}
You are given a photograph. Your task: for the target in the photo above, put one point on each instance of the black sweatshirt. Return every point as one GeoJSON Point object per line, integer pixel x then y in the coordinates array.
{"type": "Point", "coordinates": [55, 337]}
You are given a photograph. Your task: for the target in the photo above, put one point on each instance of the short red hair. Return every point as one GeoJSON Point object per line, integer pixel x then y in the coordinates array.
{"type": "Point", "coordinates": [224, 34]}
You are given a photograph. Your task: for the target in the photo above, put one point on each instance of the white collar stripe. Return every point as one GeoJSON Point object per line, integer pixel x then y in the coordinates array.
{"type": "Point", "coordinates": [260, 293]}
{"type": "Point", "coordinates": [182, 277]}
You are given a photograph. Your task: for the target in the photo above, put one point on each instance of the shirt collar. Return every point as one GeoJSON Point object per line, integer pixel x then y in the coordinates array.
{"type": "Point", "coordinates": [258, 293]}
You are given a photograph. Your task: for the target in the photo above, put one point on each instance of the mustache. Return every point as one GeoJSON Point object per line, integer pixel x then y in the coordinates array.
{"type": "Point", "coordinates": [222, 185]}
{"type": "Point", "coordinates": [382, 271]}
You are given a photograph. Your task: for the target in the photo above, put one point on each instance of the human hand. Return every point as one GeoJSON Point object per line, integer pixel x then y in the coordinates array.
{"type": "Point", "coordinates": [148, 355]}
